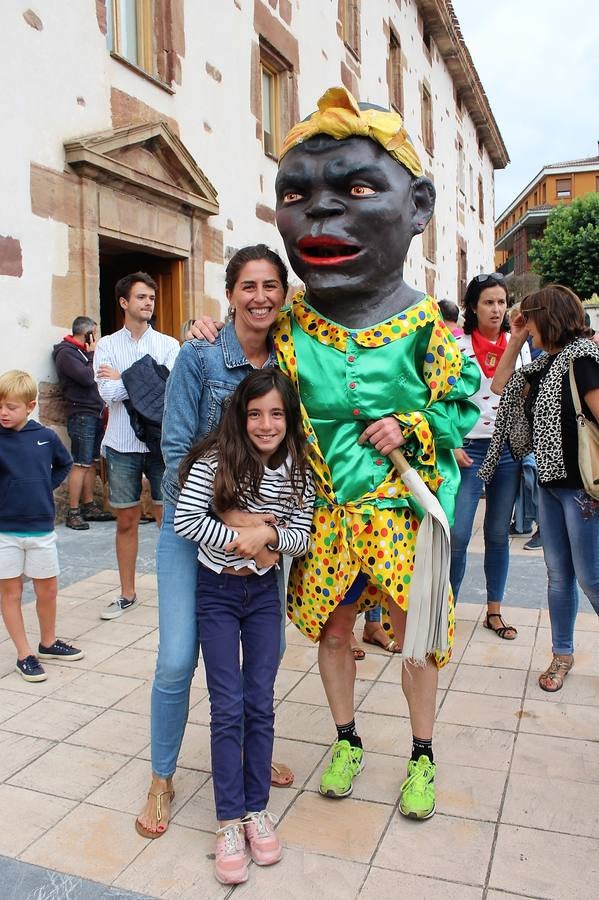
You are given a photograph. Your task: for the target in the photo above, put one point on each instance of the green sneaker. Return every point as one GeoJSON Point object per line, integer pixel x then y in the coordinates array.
{"type": "Point", "coordinates": [338, 779]}
{"type": "Point", "coordinates": [417, 794]}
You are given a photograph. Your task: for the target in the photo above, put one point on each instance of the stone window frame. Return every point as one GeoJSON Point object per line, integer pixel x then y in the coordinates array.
{"type": "Point", "coordinates": [395, 73]}
{"type": "Point", "coordinates": [154, 30]}
{"type": "Point", "coordinates": [350, 15]}
{"type": "Point", "coordinates": [481, 200]}
{"type": "Point", "coordinates": [280, 71]}
{"type": "Point", "coordinates": [461, 168]}
{"type": "Point", "coordinates": [429, 241]}
{"type": "Point", "coordinates": [426, 117]}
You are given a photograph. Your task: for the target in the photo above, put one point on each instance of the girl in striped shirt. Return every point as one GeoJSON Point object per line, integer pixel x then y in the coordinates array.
{"type": "Point", "coordinates": [255, 461]}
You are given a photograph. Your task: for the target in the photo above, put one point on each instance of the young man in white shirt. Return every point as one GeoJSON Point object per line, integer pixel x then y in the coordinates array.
{"type": "Point", "coordinates": [128, 458]}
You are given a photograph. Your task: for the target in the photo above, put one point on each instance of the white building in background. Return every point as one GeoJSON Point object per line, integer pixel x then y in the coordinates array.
{"type": "Point", "coordinates": [144, 134]}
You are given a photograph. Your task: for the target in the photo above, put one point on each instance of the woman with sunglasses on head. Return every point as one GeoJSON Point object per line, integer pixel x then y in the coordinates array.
{"type": "Point", "coordinates": [485, 340]}
{"type": "Point", "coordinates": [537, 412]}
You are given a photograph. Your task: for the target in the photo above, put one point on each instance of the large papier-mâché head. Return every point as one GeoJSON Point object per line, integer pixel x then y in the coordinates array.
{"type": "Point", "coordinates": [350, 197]}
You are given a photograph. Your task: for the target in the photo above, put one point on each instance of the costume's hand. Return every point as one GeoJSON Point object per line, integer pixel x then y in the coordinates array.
{"type": "Point", "coordinates": [250, 540]}
{"type": "Point", "coordinates": [463, 460]}
{"type": "Point", "coordinates": [204, 327]}
{"type": "Point", "coordinates": [266, 558]}
{"type": "Point", "coordinates": [237, 518]}
{"type": "Point", "coordinates": [106, 371]}
{"type": "Point", "coordinates": [384, 434]}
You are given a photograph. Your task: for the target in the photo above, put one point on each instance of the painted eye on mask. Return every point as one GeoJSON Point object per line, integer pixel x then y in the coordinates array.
{"type": "Point", "coordinates": [360, 190]}
{"type": "Point", "coordinates": [291, 196]}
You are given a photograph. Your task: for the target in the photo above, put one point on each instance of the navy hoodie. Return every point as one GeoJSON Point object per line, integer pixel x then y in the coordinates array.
{"type": "Point", "coordinates": [33, 462]}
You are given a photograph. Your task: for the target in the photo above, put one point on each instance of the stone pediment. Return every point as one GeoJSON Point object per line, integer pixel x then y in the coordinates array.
{"type": "Point", "coordinates": [148, 160]}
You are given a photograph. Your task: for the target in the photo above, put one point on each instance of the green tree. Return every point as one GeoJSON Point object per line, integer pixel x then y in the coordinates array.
{"type": "Point", "coordinates": [568, 252]}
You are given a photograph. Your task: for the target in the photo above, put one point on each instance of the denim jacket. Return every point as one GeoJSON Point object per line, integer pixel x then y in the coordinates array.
{"type": "Point", "coordinates": [203, 376]}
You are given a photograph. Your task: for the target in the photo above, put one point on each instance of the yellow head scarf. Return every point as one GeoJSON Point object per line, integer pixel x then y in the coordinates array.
{"type": "Point", "coordinates": [340, 116]}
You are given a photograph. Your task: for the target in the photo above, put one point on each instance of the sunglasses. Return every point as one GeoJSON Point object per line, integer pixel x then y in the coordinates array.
{"type": "Point", "coordinates": [493, 276]}
{"type": "Point", "coordinates": [532, 309]}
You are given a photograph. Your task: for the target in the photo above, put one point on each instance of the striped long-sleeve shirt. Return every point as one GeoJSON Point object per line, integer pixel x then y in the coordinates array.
{"type": "Point", "coordinates": [120, 350]}
{"type": "Point", "coordinates": [193, 518]}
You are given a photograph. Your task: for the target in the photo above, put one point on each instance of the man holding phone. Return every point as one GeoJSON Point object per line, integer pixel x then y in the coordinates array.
{"type": "Point", "coordinates": [74, 361]}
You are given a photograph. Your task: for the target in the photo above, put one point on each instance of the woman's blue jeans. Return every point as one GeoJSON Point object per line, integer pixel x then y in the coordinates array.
{"type": "Point", "coordinates": [230, 607]}
{"type": "Point", "coordinates": [500, 496]}
{"type": "Point", "coordinates": [570, 527]}
{"type": "Point", "coordinates": [177, 571]}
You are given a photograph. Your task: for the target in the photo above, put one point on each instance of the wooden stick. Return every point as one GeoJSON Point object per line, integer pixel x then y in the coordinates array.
{"type": "Point", "coordinates": [399, 461]}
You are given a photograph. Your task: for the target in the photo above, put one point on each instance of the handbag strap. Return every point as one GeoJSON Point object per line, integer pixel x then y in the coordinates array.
{"type": "Point", "coordinates": [574, 389]}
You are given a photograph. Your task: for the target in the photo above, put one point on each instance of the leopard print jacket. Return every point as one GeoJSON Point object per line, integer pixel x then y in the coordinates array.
{"type": "Point", "coordinates": [544, 438]}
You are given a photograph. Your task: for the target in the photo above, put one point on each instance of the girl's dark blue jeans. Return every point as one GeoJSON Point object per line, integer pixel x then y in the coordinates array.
{"type": "Point", "coordinates": [230, 608]}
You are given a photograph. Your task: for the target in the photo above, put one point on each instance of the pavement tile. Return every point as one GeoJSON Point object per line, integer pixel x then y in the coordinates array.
{"type": "Point", "coordinates": [97, 689]}
{"type": "Point", "coordinates": [387, 699]}
{"type": "Point", "coordinates": [127, 789]}
{"type": "Point", "coordinates": [584, 621]}
{"type": "Point", "coordinates": [142, 614]}
{"type": "Point", "coordinates": [556, 757]}
{"type": "Point", "coordinates": [58, 676]}
{"type": "Point", "coordinates": [18, 750]}
{"type": "Point", "coordinates": [336, 834]}
{"type": "Point", "coordinates": [114, 728]}
{"type": "Point", "coordinates": [134, 663]}
{"type": "Point", "coordinates": [149, 642]}
{"type": "Point", "coordinates": [89, 842]}
{"type": "Point", "coordinates": [35, 813]}
{"type": "Point", "coordinates": [300, 656]}
{"type": "Point", "coordinates": [520, 616]}
{"type": "Point", "coordinates": [285, 681]}
{"type": "Point", "coordinates": [383, 734]}
{"type": "Point", "coordinates": [51, 718]}
{"type": "Point", "coordinates": [302, 876]}
{"type": "Point", "coordinates": [470, 612]}
{"type": "Point", "coordinates": [445, 847]}
{"type": "Point", "coordinates": [95, 654]}
{"type": "Point", "coordinates": [69, 771]}
{"type": "Point", "coordinates": [11, 702]}
{"type": "Point", "coordinates": [481, 748]}
{"type": "Point", "coordinates": [195, 749]}
{"type": "Point", "coordinates": [302, 758]}
{"type": "Point", "coordinates": [374, 663]}
{"type": "Point", "coordinates": [392, 673]}
{"type": "Point", "coordinates": [316, 722]}
{"type": "Point", "coordinates": [502, 654]}
{"type": "Point", "coordinates": [189, 876]}
{"type": "Point", "coordinates": [545, 864]}
{"type": "Point", "coordinates": [531, 801]}
{"type": "Point", "coordinates": [468, 792]}
{"type": "Point", "coordinates": [480, 710]}
{"type": "Point", "coordinates": [560, 719]}
{"type": "Point", "coordinates": [310, 690]}
{"type": "Point", "coordinates": [582, 690]}
{"type": "Point", "coordinates": [382, 884]}
{"type": "Point", "coordinates": [88, 588]}
{"type": "Point", "coordinates": [490, 681]}
{"type": "Point", "coordinates": [118, 634]}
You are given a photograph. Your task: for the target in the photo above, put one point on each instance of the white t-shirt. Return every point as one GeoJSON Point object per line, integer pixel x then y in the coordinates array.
{"type": "Point", "coordinates": [484, 398]}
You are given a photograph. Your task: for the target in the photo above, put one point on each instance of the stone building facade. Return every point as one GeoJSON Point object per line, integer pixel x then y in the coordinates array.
{"type": "Point", "coordinates": [144, 134]}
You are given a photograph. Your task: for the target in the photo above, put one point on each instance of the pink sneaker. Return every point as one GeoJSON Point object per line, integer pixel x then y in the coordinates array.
{"type": "Point", "coordinates": [265, 846]}
{"type": "Point", "coordinates": [230, 864]}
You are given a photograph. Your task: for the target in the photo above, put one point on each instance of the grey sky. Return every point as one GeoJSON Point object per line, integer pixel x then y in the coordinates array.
{"type": "Point", "coordinates": [538, 62]}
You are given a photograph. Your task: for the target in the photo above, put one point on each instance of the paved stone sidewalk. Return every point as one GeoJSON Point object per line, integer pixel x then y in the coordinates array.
{"type": "Point", "coordinates": [518, 776]}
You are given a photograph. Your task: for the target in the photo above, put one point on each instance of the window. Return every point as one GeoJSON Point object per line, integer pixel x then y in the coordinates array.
{"type": "Point", "coordinates": [426, 38]}
{"type": "Point", "coordinates": [462, 270]}
{"type": "Point", "coordinates": [481, 199]}
{"type": "Point", "coordinates": [426, 112]}
{"type": "Point", "coordinates": [270, 130]}
{"type": "Point", "coordinates": [471, 185]}
{"type": "Point", "coordinates": [461, 166]}
{"type": "Point", "coordinates": [429, 241]}
{"type": "Point", "coordinates": [350, 25]}
{"type": "Point", "coordinates": [597, 184]}
{"type": "Point", "coordinates": [276, 86]}
{"type": "Point", "coordinates": [563, 187]}
{"type": "Point", "coordinates": [130, 31]}
{"type": "Point", "coordinates": [395, 82]}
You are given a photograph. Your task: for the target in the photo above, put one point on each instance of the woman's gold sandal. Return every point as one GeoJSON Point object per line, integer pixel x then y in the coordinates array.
{"type": "Point", "coordinates": [144, 832]}
{"type": "Point", "coordinates": [554, 675]}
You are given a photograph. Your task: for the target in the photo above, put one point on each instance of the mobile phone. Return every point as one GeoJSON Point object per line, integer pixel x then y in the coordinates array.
{"type": "Point", "coordinates": [89, 337]}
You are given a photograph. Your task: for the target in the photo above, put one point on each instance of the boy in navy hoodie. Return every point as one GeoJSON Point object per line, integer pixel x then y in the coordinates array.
{"type": "Point", "coordinates": [33, 462]}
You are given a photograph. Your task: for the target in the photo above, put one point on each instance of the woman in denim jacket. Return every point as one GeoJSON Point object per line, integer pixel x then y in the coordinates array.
{"type": "Point", "coordinates": [203, 377]}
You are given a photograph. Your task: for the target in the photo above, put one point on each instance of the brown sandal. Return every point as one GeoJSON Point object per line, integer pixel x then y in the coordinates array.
{"type": "Point", "coordinates": [282, 776]}
{"type": "Point", "coordinates": [144, 832]}
{"type": "Point", "coordinates": [385, 642]}
{"type": "Point", "coordinates": [356, 649]}
{"type": "Point", "coordinates": [503, 629]}
{"type": "Point", "coordinates": [552, 679]}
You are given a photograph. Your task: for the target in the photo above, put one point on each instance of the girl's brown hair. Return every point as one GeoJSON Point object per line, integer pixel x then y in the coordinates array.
{"type": "Point", "coordinates": [239, 471]}
{"type": "Point", "coordinates": [558, 314]}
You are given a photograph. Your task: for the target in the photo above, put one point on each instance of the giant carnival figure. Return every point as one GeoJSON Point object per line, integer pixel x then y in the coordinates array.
{"type": "Point", "coordinates": [376, 368]}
